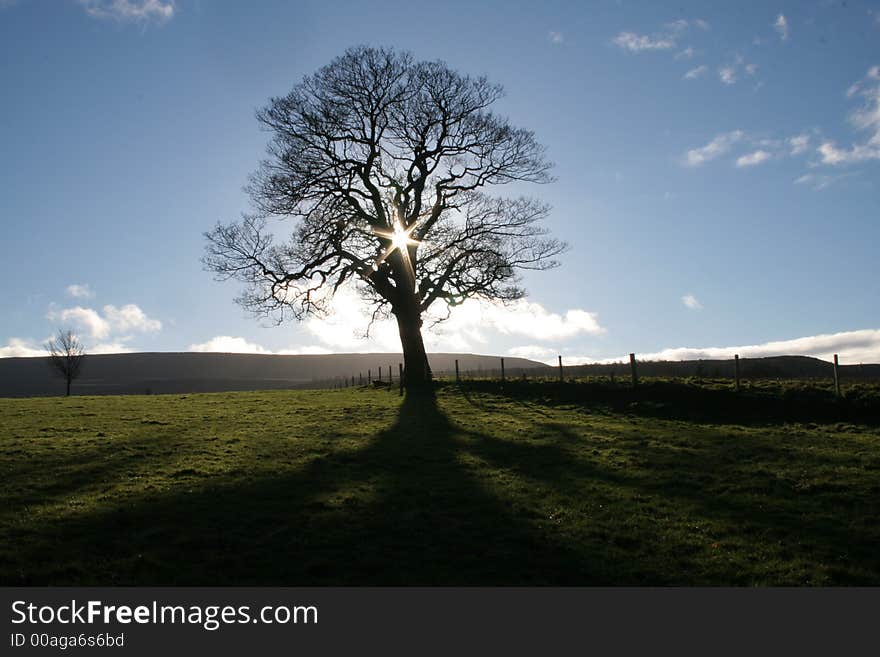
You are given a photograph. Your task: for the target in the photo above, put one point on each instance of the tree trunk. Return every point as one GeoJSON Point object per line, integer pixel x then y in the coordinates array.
{"type": "Point", "coordinates": [68, 387]}
{"type": "Point", "coordinates": [417, 372]}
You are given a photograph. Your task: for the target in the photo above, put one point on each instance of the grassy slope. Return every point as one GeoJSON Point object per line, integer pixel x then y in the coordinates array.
{"type": "Point", "coordinates": [354, 487]}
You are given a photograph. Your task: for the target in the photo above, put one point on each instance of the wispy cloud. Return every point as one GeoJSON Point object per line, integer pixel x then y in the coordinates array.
{"type": "Point", "coordinates": [678, 26]}
{"type": "Point", "coordinates": [820, 181]}
{"type": "Point", "coordinates": [853, 347]}
{"type": "Point", "coordinates": [697, 72]}
{"type": "Point", "coordinates": [556, 38]}
{"type": "Point", "coordinates": [640, 43]}
{"type": "Point", "coordinates": [799, 143]}
{"type": "Point", "coordinates": [762, 149]}
{"type": "Point", "coordinates": [690, 301]}
{"type": "Point", "coordinates": [130, 10]}
{"type": "Point", "coordinates": [80, 291]}
{"type": "Point", "coordinates": [687, 53]}
{"type": "Point", "coordinates": [720, 145]}
{"type": "Point", "coordinates": [752, 159]}
{"type": "Point", "coordinates": [781, 26]}
{"type": "Point", "coordinates": [727, 74]}
{"type": "Point", "coordinates": [866, 119]}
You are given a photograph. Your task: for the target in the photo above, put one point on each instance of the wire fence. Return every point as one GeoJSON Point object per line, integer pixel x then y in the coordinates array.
{"type": "Point", "coordinates": [737, 370]}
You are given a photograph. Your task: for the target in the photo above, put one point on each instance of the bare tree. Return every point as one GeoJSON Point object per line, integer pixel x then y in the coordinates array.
{"type": "Point", "coordinates": [66, 355]}
{"type": "Point", "coordinates": [384, 164]}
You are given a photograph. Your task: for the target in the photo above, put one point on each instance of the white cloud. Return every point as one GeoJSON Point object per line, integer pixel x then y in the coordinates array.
{"type": "Point", "coordinates": [866, 118]}
{"type": "Point", "coordinates": [80, 291]}
{"type": "Point", "coordinates": [799, 143]}
{"type": "Point", "coordinates": [691, 302]}
{"type": "Point", "coordinates": [130, 10]}
{"type": "Point", "coordinates": [307, 350]}
{"type": "Point", "coordinates": [533, 352]}
{"type": "Point", "coordinates": [118, 347]}
{"type": "Point", "coordinates": [640, 43]}
{"type": "Point", "coordinates": [18, 348]}
{"type": "Point", "coordinates": [229, 344]}
{"type": "Point", "coordinates": [677, 27]}
{"type": "Point", "coordinates": [115, 320]}
{"type": "Point", "coordinates": [852, 346]}
{"type": "Point", "coordinates": [781, 26]}
{"type": "Point", "coordinates": [556, 37]}
{"type": "Point", "coordinates": [820, 181]}
{"type": "Point", "coordinates": [718, 146]}
{"type": "Point", "coordinates": [474, 325]}
{"type": "Point", "coordinates": [697, 72]}
{"type": "Point", "coordinates": [752, 159]}
{"type": "Point", "coordinates": [727, 74]}
{"type": "Point", "coordinates": [703, 25]}
{"type": "Point", "coordinates": [687, 53]}
{"type": "Point", "coordinates": [83, 318]}
{"type": "Point", "coordinates": [130, 318]}
{"type": "Point", "coordinates": [532, 320]}
{"type": "Point", "coordinates": [751, 69]}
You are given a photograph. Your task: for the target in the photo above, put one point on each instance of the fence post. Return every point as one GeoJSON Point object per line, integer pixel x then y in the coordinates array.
{"type": "Point", "coordinates": [360, 378]}
{"type": "Point", "coordinates": [736, 370]}
{"type": "Point", "coordinates": [502, 371]}
{"type": "Point", "coordinates": [369, 377]}
{"type": "Point", "coordinates": [836, 378]}
{"type": "Point", "coordinates": [400, 371]}
{"type": "Point", "coordinates": [457, 378]}
{"type": "Point", "coordinates": [561, 378]}
{"type": "Point", "coordinates": [632, 365]}
{"type": "Point", "coordinates": [390, 375]}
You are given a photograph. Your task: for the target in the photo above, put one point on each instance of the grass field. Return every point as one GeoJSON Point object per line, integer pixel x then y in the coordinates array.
{"type": "Point", "coordinates": [537, 484]}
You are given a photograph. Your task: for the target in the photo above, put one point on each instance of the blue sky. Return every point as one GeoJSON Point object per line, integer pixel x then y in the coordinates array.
{"type": "Point", "coordinates": [717, 169]}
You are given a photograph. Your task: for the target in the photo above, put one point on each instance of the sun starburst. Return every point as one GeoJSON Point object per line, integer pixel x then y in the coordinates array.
{"type": "Point", "coordinates": [401, 239]}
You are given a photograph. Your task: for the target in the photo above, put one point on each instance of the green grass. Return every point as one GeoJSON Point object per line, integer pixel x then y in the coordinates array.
{"type": "Point", "coordinates": [541, 484]}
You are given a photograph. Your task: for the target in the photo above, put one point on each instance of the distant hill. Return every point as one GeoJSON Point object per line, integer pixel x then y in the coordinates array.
{"type": "Point", "coordinates": [156, 373]}
{"type": "Point", "coordinates": [774, 367]}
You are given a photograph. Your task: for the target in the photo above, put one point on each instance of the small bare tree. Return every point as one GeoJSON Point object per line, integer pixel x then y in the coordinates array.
{"type": "Point", "coordinates": [384, 163]}
{"type": "Point", "coordinates": [66, 355]}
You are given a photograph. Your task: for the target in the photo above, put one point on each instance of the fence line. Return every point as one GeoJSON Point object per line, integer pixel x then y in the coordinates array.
{"type": "Point", "coordinates": [601, 370]}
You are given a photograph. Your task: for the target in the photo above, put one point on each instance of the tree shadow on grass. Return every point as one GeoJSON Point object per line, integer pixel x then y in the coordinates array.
{"type": "Point", "coordinates": [401, 510]}
{"type": "Point", "coordinates": [428, 501]}
{"type": "Point", "coordinates": [822, 533]}
{"type": "Point", "coordinates": [679, 400]}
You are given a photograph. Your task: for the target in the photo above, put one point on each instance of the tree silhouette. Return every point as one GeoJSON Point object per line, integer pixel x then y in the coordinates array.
{"type": "Point", "coordinates": [384, 163]}
{"type": "Point", "coordinates": [66, 355]}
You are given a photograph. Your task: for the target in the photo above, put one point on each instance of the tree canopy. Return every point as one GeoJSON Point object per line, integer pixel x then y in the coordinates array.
{"type": "Point", "coordinates": [385, 165]}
